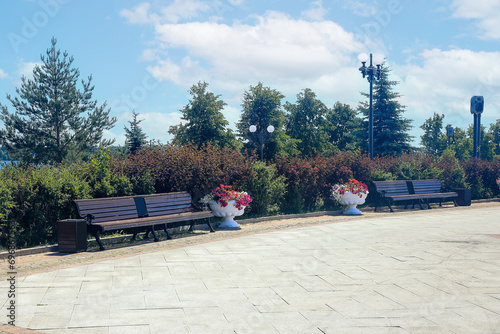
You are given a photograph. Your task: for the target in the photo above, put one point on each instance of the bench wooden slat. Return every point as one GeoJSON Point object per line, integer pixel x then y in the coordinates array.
{"type": "Point", "coordinates": [147, 221]}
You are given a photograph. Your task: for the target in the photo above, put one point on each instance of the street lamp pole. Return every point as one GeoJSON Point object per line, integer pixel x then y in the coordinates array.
{"type": "Point", "coordinates": [372, 73]}
{"type": "Point", "coordinates": [261, 136]}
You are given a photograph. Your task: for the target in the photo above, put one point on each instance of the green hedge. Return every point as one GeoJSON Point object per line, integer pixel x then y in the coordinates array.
{"type": "Point", "coordinates": [33, 198]}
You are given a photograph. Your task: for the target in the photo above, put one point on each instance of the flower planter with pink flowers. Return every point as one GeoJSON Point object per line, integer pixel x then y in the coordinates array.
{"type": "Point", "coordinates": [351, 194]}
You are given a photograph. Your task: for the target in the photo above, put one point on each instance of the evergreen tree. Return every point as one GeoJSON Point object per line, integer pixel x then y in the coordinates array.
{"type": "Point", "coordinates": [495, 132]}
{"type": "Point", "coordinates": [306, 122]}
{"type": "Point", "coordinates": [205, 122]}
{"type": "Point", "coordinates": [135, 137]}
{"type": "Point", "coordinates": [262, 107]}
{"type": "Point", "coordinates": [390, 128]}
{"type": "Point", "coordinates": [433, 140]}
{"type": "Point", "coordinates": [54, 121]}
{"type": "Point", "coordinates": [344, 127]}
{"type": "Point", "coordinates": [4, 155]}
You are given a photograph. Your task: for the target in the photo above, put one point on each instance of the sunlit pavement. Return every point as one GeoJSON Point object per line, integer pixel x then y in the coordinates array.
{"type": "Point", "coordinates": [432, 271]}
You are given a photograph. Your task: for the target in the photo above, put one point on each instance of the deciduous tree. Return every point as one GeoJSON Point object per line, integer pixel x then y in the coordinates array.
{"type": "Point", "coordinates": [306, 122]}
{"type": "Point", "coordinates": [262, 107]}
{"type": "Point", "coordinates": [433, 140]}
{"type": "Point", "coordinates": [344, 127]}
{"type": "Point", "coordinates": [204, 121]}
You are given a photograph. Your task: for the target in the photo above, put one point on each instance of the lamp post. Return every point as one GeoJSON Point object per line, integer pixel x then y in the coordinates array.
{"type": "Point", "coordinates": [372, 73]}
{"type": "Point", "coordinates": [476, 108]}
{"type": "Point", "coordinates": [261, 136]}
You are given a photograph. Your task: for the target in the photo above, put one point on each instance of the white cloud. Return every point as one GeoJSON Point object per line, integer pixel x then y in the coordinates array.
{"type": "Point", "coordinates": [26, 69]}
{"type": "Point", "coordinates": [139, 15]}
{"type": "Point", "coordinates": [176, 11]}
{"type": "Point", "coordinates": [316, 13]}
{"type": "Point", "coordinates": [275, 49]}
{"type": "Point", "coordinates": [446, 81]}
{"type": "Point", "coordinates": [237, 2]}
{"type": "Point", "coordinates": [359, 8]}
{"type": "Point", "coordinates": [3, 74]}
{"type": "Point", "coordinates": [486, 13]}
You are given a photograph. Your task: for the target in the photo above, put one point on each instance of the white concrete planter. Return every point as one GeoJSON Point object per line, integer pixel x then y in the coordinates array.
{"type": "Point", "coordinates": [352, 200]}
{"type": "Point", "coordinates": [228, 213]}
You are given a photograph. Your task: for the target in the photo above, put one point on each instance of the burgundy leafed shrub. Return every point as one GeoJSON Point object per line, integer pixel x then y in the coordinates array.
{"type": "Point", "coordinates": [481, 176]}
{"type": "Point", "coordinates": [186, 168]}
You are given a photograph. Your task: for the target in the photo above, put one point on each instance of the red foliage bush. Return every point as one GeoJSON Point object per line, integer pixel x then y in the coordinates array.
{"type": "Point", "coordinates": [186, 168]}
{"type": "Point", "coordinates": [481, 176]}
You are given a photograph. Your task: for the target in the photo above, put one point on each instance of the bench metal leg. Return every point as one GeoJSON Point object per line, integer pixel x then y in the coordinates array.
{"type": "Point", "coordinates": [210, 225]}
{"type": "Point", "coordinates": [95, 233]}
{"type": "Point", "coordinates": [428, 204]}
{"type": "Point", "coordinates": [166, 232]}
{"type": "Point", "coordinates": [153, 233]}
{"type": "Point", "coordinates": [191, 227]}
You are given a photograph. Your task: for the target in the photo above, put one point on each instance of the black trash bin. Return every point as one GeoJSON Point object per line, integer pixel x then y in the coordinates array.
{"type": "Point", "coordinates": [464, 197]}
{"type": "Point", "coordinates": [72, 235]}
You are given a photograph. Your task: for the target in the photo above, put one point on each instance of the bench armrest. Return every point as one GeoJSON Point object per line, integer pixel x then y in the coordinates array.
{"type": "Point", "coordinates": [88, 218]}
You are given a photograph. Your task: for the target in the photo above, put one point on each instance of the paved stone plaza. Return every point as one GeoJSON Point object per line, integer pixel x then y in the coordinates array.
{"type": "Point", "coordinates": [430, 271]}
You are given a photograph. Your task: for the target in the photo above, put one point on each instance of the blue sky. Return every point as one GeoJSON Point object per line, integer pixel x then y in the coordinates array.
{"type": "Point", "coordinates": [145, 55]}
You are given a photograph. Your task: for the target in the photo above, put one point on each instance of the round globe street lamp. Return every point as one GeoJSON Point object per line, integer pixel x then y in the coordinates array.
{"type": "Point", "coordinates": [371, 73]}
{"type": "Point", "coordinates": [261, 136]}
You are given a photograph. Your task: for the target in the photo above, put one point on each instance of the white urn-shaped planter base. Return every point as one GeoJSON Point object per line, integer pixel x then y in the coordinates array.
{"type": "Point", "coordinates": [228, 212]}
{"type": "Point", "coordinates": [352, 200]}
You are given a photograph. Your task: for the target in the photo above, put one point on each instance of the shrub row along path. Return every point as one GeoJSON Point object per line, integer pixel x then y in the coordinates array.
{"type": "Point", "coordinates": [412, 271]}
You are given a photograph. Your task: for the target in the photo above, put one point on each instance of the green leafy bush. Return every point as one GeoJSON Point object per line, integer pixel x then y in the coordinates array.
{"type": "Point", "coordinates": [265, 188]}
{"type": "Point", "coordinates": [40, 196]}
{"type": "Point", "coordinates": [103, 181]}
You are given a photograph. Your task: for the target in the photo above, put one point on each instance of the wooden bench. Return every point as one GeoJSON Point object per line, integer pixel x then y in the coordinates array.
{"type": "Point", "coordinates": [140, 213]}
{"type": "Point", "coordinates": [393, 191]}
{"type": "Point", "coordinates": [430, 189]}
{"type": "Point", "coordinates": [410, 191]}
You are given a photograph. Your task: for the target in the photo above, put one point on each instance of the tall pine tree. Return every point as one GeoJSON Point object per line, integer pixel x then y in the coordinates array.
{"type": "Point", "coordinates": [54, 121]}
{"type": "Point", "coordinates": [390, 128]}
{"type": "Point", "coordinates": [135, 137]}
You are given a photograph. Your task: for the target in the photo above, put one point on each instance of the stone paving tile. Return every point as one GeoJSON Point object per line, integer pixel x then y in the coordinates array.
{"type": "Point", "coordinates": [422, 272]}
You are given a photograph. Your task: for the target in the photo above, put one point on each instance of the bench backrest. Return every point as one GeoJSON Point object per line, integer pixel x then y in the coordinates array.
{"type": "Point", "coordinates": [128, 207]}
{"type": "Point", "coordinates": [390, 188]}
{"type": "Point", "coordinates": [426, 186]}
{"type": "Point", "coordinates": [107, 209]}
{"type": "Point", "coordinates": [168, 203]}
